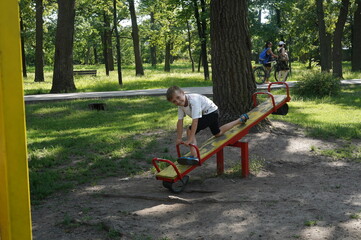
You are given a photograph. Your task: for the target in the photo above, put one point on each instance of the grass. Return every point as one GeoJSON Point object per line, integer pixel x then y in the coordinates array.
{"type": "Point", "coordinates": [328, 117]}
{"type": "Point", "coordinates": [180, 75]}
{"type": "Point", "coordinates": [69, 144]}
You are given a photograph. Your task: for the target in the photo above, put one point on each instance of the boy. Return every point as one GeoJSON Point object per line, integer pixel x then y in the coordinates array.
{"type": "Point", "coordinates": [204, 113]}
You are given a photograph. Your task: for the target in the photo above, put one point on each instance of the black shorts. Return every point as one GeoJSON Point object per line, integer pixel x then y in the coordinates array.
{"type": "Point", "coordinates": [267, 64]}
{"type": "Point", "coordinates": [209, 120]}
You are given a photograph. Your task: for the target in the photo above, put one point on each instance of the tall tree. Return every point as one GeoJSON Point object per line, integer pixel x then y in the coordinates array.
{"type": "Point", "coordinates": [139, 71]}
{"type": "Point", "coordinates": [202, 29]}
{"type": "Point", "coordinates": [39, 54]}
{"type": "Point", "coordinates": [356, 39]}
{"type": "Point", "coordinates": [117, 39]}
{"type": "Point", "coordinates": [153, 47]}
{"type": "Point", "coordinates": [233, 80]}
{"type": "Point", "coordinates": [190, 45]}
{"type": "Point", "coordinates": [63, 80]}
{"type": "Point", "coordinates": [168, 45]}
{"type": "Point", "coordinates": [23, 57]}
{"type": "Point", "coordinates": [337, 39]}
{"type": "Point", "coordinates": [324, 38]}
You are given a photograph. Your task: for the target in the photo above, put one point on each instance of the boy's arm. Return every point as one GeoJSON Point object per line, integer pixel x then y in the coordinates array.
{"type": "Point", "coordinates": [179, 131]}
{"type": "Point", "coordinates": [192, 135]}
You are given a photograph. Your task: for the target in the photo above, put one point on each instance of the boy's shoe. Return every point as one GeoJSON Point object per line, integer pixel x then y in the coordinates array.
{"type": "Point", "coordinates": [190, 160]}
{"type": "Point", "coordinates": [244, 117]}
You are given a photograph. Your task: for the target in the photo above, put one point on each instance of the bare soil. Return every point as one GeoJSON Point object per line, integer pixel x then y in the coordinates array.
{"type": "Point", "coordinates": [293, 193]}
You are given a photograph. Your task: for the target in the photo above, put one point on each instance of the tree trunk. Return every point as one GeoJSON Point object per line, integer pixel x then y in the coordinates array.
{"type": "Point", "coordinates": [108, 39]}
{"type": "Point", "coordinates": [63, 80]}
{"type": "Point", "coordinates": [190, 45]}
{"type": "Point", "coordinates": [203, 38]}
{"type": "Point", "coordinates": [119, 65]}
{"type": "Point", "coordinates": [105, 46]}
{"type": "Point", "coordinates": [233, 80]}
{"type": "Point", "coordinates": [23, 57]}
{"type": "Point", "coordinates": [95, 55]}
{"type": "Point", "coordinates": [324, 38]}
{"type": "Point", "coordinates": [337, 39]}
{"type": "Point", "coordinates": [167, 56]}
{"type": "Point", "coordinates": [39, 55]}
{"type": "Point", "coordinates": [135, 35]}
{"type": "Point", "coordinates": [356, 39]}
{"type": "Point", "coordinates": [259, 17]}
{"type": "Point", "coordinates": [153, 48]}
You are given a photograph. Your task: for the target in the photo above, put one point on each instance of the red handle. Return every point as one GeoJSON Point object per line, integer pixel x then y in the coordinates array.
{"type": "Point", "coordinates": [280, 83]}
{"type": "Point", "coordinates": [254, 96]}
{"type": "Point", "coordinates": [155, 160]}
{"type": "Point", "coordinates": [192, 145]}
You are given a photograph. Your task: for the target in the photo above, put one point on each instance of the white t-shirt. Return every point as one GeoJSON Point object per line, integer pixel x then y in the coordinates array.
{"type": "Point", "coordinates": [198, 105]}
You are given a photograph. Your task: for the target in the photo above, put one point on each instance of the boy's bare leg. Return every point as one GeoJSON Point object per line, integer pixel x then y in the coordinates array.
{"type": "Point", "coordinates": [227, 126]}
{"type": "Point", "coordinates": [192, 149]}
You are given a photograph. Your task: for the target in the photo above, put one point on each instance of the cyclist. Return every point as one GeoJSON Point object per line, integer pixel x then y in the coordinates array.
{"type": "Point", "coordinates": [283, 61]}
{"type": "Point", "coordinates": [266, 58]}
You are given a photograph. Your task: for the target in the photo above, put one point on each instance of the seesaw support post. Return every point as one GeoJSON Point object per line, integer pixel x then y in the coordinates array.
{"type": "Point", "coordinates": [244, 159]}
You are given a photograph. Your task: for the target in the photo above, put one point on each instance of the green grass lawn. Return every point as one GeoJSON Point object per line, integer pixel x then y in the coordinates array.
{"type": "Point", "coordinates": [69, 144]}
{"type": "Point", "coordinates": [181, 75]}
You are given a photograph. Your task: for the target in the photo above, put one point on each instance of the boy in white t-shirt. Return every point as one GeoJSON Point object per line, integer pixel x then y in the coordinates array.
{"type": "Point", "coordinates": [204, 113]}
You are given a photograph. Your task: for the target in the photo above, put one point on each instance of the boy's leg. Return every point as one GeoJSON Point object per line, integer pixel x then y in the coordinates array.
{"type": "Point", "coordinates": [230, 125]}
{"type": "Point", "coordinates": [192, 149]}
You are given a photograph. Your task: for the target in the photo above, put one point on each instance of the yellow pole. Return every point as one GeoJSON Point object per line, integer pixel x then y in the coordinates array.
{"type": "Point", "coordinates": [15, 218]}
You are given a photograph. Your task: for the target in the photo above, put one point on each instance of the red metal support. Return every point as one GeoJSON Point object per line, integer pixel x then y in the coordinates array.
{"type": "Point", "coordinates": [220, 162]}
{"type": "Point", "coordinates": [244, 159]}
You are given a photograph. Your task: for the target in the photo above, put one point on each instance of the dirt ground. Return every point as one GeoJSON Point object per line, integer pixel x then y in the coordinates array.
{"type": "Point", "coordinates": [293, 193]}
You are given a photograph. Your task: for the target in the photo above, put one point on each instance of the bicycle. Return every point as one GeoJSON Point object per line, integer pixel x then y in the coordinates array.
{"type": "Point", "coordinates": [260, 72]}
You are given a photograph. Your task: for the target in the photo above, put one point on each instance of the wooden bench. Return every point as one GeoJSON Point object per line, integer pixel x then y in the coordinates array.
{"type": "Point", "coordinates": [176, 172]}
{"type": "Point", "coordinates": [85, 72]}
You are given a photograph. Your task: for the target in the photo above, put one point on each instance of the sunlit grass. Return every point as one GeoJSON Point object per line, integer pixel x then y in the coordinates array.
{"type": "Point", "coordinates": [181, 75]}
{"type": "Point", "coordinates": [328, 117]}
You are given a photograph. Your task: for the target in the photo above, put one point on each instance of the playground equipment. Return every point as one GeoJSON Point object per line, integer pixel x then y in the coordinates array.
{"type": "Point", "coordinates": [15, 218]}
{"type": "Point", "coordinates": [175, 176]}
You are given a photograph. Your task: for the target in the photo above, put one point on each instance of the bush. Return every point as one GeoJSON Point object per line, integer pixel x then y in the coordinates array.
{"type": "Point", "coordinates": [318, 85]}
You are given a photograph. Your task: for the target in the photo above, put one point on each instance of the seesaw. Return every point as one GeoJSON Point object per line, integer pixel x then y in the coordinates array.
{"type": "Point", "coordinates": [175, 176]}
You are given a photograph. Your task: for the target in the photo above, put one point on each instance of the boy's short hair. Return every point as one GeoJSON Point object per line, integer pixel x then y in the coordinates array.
{"type": "Point", "coordinates": [172, 90]}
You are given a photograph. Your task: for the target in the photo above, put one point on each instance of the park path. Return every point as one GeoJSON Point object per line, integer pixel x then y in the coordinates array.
{"type": "Point", "coordinates": [146, 92]}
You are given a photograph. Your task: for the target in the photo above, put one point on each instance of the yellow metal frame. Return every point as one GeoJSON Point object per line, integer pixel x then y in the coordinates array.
{"type": "Point", "coordinates": [15, 217]}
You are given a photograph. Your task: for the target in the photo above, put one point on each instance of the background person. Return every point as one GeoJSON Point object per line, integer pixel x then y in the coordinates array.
{"type": "Point", "coordinates": [265, 58]}
{"type": "Point", "coordinates": [283, 61]}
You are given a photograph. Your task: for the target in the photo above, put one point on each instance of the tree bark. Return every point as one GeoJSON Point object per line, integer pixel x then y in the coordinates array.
{"type": "Point", "coordinates": [95, 55]}
{"type": "Point", "coordinates": [23, 57]}
{"type": "Point", "coordinates": [139, 71]}
{"type": "Point", "coordinates": [167, 56]}
{"type": "Point", "coordinates": [63, 80]}
{"type": "Point", "coordinates": [356, 39]}
{"type": "Point", "coordinates": [202, 28]}
{"type": "Point", "coordinates": [39, 55]}
{"type": "Point", "coordinates": [108, 39]}
{"type": "Point", "coordinates": [153, 48]}
{"type": "Point", "coordinates": [324, 38]}
{"type": "Point", "coordinates": [119, 65]}
{"type": "Point", "coordinates": [105, 45]}
{"type": "Point", "coordinates": [337, 39]}
{"type": "Point", "coordinates": [233, 80]}
{"type": "Point", "coordinates": [190, 45]}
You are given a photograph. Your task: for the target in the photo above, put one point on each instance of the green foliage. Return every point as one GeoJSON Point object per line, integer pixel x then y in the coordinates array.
{"type": "Point", "coordinates": [319, 84]}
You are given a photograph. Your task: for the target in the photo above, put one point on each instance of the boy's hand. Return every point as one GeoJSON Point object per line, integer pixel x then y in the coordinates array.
{"type": "Point", "coordinates": [178, 141]}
